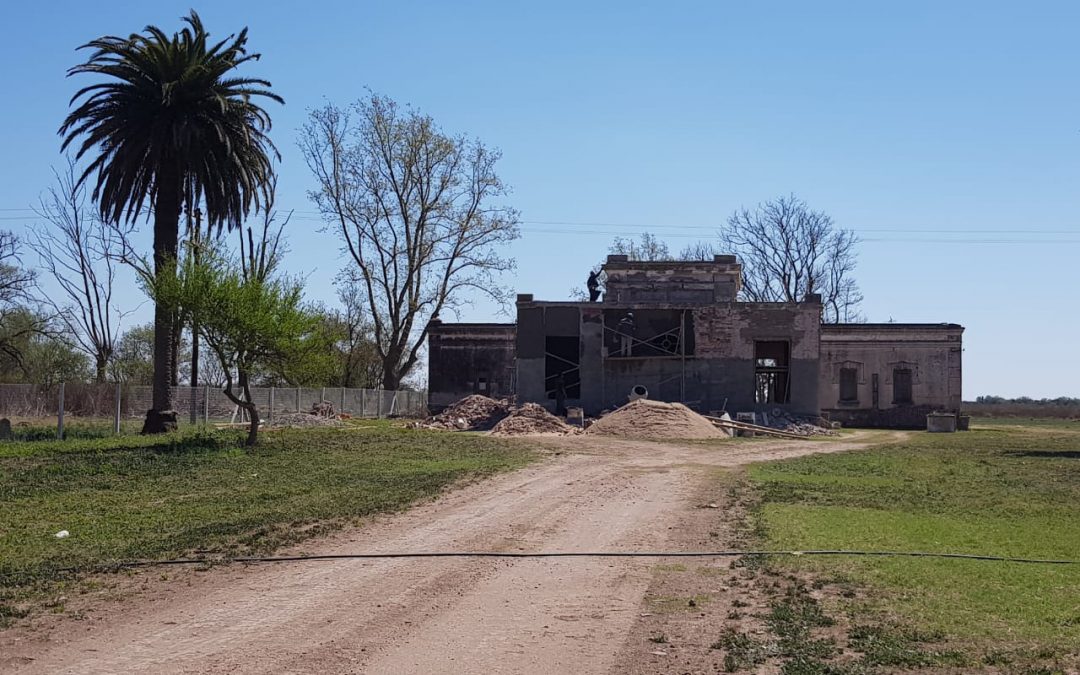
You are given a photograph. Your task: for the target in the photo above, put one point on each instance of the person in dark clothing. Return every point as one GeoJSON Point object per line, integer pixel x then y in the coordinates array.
{"type": "Point", "coordinates": [626, 329]}
{"type": "Point", "coordinates": [560, 395]}
{"type": "Point", "coordinates": [593, 284]}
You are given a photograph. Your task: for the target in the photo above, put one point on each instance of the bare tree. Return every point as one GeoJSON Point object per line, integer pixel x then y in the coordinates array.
{"type": "Point", "coordinates": [648, 247]}
{"type": "Point", "coordinates": [415, 210]}
{"type": "Point", "coordinates": [259, 258]}
{"type": "Point", "coordinates": [360, 363]}
{"type": "Point", "coordinates": [699, 251]}
{"type": "Point", "coordinates": [788, 251]}
{"type": "Point", "coordinates": [78, 250]}
{"type": "Point", "coordinates": [17, 322]}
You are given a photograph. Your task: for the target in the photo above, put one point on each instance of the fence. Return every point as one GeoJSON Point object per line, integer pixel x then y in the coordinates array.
{"type": "Point", "coordinates": [196, 405]}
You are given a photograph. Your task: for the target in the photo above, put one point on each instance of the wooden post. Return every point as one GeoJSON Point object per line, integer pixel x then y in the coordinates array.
{"type": "Point", "coordinates": [298, 399]}
{"type": "Point", "coordinates": [116, 411]}
{"type": "Point", "coordinates": [270, 413]}
{"type": "Point", "coordinates": [682, 355]}
{"type": "Point", "coordinates": [378, 404]}
{"type": "Point", "coordinates": [206, 406]}
{"type": "Point", "coordinates": [342, 408]}
{"type": "Point", "coordinates": [60, 415]}
{"type": "Point", "coordinates": [363, 402]}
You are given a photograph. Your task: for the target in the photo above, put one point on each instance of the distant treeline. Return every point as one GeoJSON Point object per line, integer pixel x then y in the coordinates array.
{"type": "Point", "coordinates": [1024, 406]}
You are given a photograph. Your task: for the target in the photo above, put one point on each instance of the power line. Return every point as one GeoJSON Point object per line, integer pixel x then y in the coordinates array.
{"type": "Point", "coordinates": [588, 228]}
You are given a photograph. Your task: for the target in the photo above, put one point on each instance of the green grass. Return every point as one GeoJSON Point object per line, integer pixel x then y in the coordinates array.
{"type": "Point", "coordinates": [1010, 490]}
{"type": "Point", "coordinates": [134, 497]}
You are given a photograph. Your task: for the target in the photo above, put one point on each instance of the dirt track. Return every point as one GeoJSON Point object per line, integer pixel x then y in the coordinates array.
{"type": "Point", "coordinates": [436, 615]}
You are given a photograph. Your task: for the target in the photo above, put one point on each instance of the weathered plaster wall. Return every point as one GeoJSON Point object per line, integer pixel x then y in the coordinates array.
{"type": "Point", "coordinates": [460, 354]}
{"type": "Point", "coordinates": [933, 353]}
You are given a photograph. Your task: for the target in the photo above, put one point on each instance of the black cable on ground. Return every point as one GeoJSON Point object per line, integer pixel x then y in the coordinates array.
{"type": "Point", "coordinates": [563, 554]}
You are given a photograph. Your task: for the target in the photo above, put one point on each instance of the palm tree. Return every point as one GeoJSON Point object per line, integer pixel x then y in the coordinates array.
{"type": "Point", "coordinates": [172, 127]}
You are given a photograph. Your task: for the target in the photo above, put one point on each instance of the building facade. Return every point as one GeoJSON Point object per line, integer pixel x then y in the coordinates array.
{"type": "Point", "coordinates": [678, 330]}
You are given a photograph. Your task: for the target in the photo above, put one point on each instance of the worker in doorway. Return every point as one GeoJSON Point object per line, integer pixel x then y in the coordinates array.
{"type": "Point", "coordinates": [593, 284]}
{"type": "Point", "coordinates": [626, 329]}
{"type": "Point", "coordinates": [560, 395]}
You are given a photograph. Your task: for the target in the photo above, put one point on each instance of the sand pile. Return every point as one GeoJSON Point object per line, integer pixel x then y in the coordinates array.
{"type": "Point", "coordinates": [655, 419]}
{"type": "Point", "coordinates": [472, 413]}
{"type": "Point", "coordinates": [531, 419]}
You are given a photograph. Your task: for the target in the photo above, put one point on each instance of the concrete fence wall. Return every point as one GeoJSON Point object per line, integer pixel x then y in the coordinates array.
{"type": "Point", "coordinates": [206, 404]}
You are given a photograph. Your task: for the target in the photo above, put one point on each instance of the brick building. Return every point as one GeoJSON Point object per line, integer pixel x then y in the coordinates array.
{"type": "Point", "coordinates": [678, 329]}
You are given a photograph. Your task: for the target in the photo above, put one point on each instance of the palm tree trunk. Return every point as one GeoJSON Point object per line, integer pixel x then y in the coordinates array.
{"type": "Point", "coordinates": [161, 417]}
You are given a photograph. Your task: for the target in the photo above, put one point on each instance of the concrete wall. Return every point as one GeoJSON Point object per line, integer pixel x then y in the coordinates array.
{"type": "Point", "coordinates": [460, 354]}
{"type": "Point", "coordinates": [932, 352]}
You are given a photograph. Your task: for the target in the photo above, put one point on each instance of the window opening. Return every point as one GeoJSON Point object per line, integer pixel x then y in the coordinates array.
{"type": "Point", "coordinates": [771, 382]}
{"type": "Point", "coordinates": [849, 385]}
{"type": "Point", "coordinates": [901, 385]}
{"type": "Point", "coordinates": [561, 366]}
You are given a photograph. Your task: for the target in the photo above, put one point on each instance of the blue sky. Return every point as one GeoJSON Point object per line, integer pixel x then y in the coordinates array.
{"type": "Point", "coordinates": [946, 134]}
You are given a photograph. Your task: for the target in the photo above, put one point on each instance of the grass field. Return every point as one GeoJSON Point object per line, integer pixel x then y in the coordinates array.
{"type": "Point", "coordinates": [1003, 489]}
{"type": "Point", "coordinates": [135, 497]}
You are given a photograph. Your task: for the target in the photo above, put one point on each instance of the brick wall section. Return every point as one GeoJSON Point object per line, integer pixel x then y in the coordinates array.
{"type": "Point", "coordinates": [460, 354]}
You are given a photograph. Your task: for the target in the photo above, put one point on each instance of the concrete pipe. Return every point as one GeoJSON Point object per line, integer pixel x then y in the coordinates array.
{"type": "Point", "coordinates": [638, 391]}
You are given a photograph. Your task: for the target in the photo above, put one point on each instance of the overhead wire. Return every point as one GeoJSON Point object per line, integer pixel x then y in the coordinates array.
{"type": "Point", "coordinates": [980, 236]}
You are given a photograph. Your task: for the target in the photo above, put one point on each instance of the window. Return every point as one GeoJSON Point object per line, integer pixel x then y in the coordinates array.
{"type": "Point", "coordinates": [901, 386]}
{"type": "Point", "coordinates": [849, 385]}
{"type": "Point", "coordinates": [771, 372]}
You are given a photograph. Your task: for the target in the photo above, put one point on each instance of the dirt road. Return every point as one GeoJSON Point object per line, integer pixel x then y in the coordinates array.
{"type": "Point", "coordinates": [430, 615]}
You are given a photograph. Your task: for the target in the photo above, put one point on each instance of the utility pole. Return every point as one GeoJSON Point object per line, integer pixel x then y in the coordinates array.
{"type": "Point", "coordinates": [196, 243]}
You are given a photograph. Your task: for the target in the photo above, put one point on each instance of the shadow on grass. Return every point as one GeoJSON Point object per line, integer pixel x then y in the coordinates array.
{"type": "Point", "coordinates": [1047, 454]}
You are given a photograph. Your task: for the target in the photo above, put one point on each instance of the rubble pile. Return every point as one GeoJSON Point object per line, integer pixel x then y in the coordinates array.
{"type": "Point", "coordinates": [531, 419]}
{"type": "Point", "coordinates": [802, 426]}
{"type": "Point", "coordinates": [472, 413]}
{"type": "Point", "coordinates": [654, 419]}
{"type": "Point", "coordinates": [323, 409]}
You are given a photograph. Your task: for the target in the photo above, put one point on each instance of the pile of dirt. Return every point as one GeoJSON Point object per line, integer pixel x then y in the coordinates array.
{"type": "Point", "coordinates": [472, 413]}
{"type": "Point", "coordinates": [654, 419]}
{"type": "Point", "coordinates": [301, 420]}
{"type": "Point", "coordinates": [531, 419]}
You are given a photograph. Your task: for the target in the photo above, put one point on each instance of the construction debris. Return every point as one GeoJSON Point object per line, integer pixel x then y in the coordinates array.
{"type": "Point", "coordinates": [749, 430]}
{"type": "Point", "coordinates": [472, 413]}
{"type": "Point", "coordinates": [323, 409]}
{"type": "Point", "coordinates": [656, 420]}
{"type": "Point", "coordinates": [778, 424]}
{"type": "Point", "coordinates": [800, 426]}
{"type": "Point", "coordinates": [532, 419]}
{"type": "Point", "coordinates": [300, 420]}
